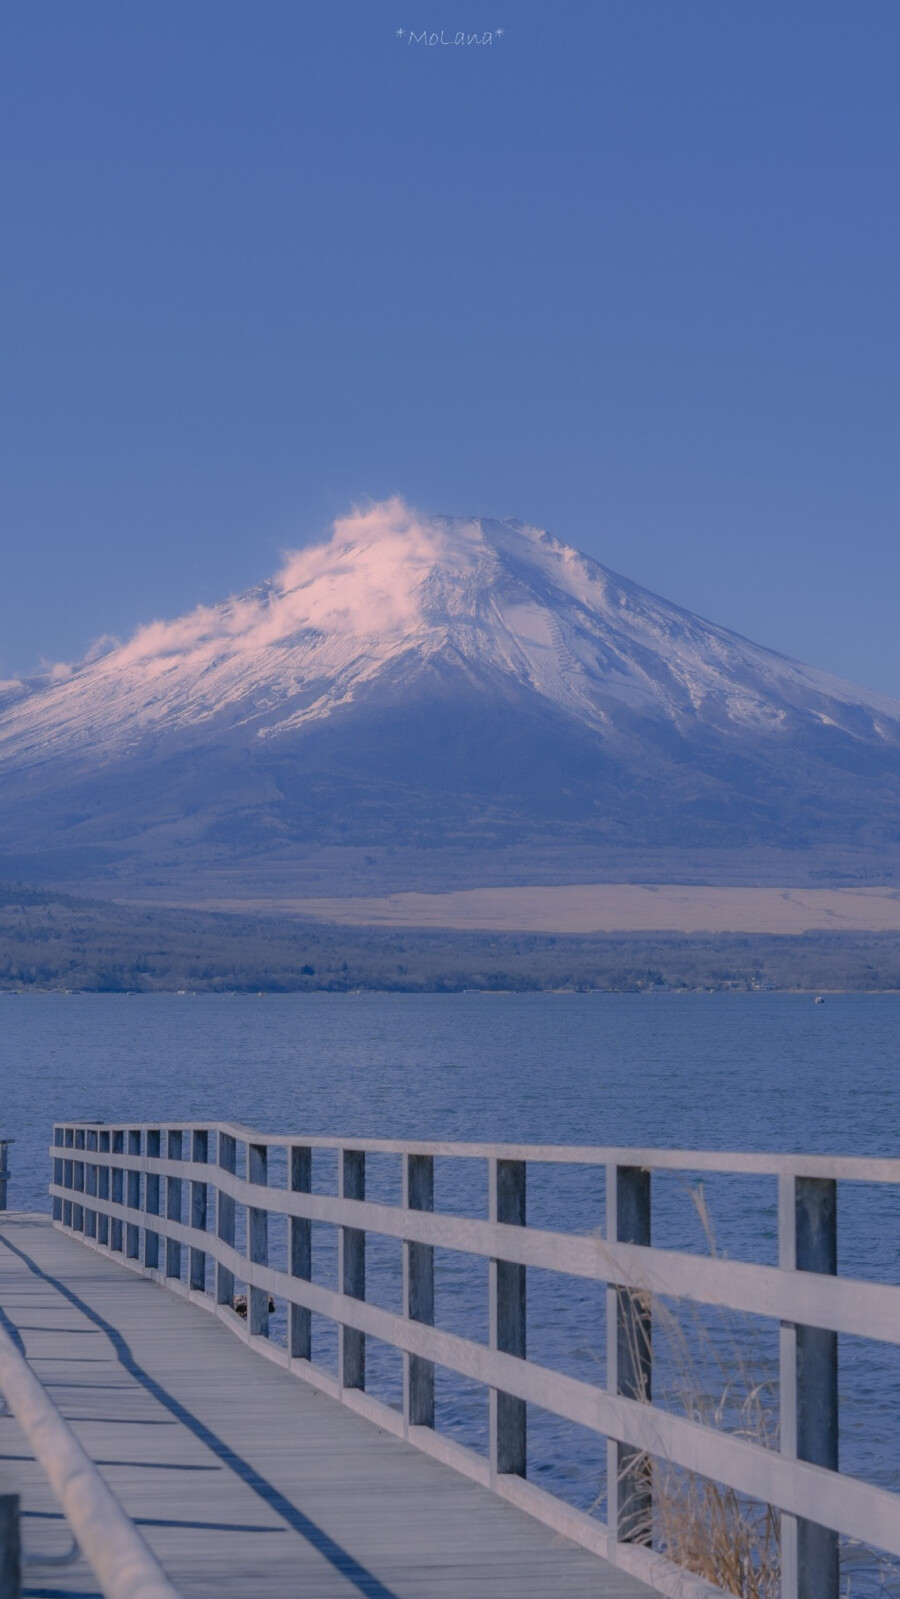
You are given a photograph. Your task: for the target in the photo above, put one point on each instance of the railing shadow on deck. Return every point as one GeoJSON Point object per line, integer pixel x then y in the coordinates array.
{"type": "Point", "coordinates": [363, 1580]}
{"type": "Point", "coordinates": [169, 1202]}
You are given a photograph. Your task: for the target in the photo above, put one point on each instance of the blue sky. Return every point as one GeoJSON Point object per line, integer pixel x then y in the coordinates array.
{"type": "Point", "coordinates": [630, 272]}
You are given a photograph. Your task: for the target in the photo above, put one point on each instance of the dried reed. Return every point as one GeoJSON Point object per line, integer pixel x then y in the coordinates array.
{"type": "Point", "coordinates": [709, 1366]}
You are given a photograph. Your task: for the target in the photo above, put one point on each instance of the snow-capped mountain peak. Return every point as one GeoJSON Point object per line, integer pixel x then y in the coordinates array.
{"type": "Point", "coordinates": [392, 586]}
{"type": "Point", "coordinates": [439, 679]}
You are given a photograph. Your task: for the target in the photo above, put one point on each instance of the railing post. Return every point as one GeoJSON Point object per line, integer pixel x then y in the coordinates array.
{"type": "Point", "coordinates": [116, 1229]}
{"type": "Point", "coordinates": [807, 1241]}
{"type": "Point", "coordinates": [133, 1193]}
{"type": "Point", "coordinates": [258, 1241]}
{"type": "Point", "coordinates": [151, 1236]}
{"type": "Point", "coordinates": [78, 1182]}
{"type": "Point", "coordinates": [628, 1358]}
{"type": "Point", "coordinates": [68, 1177]}
{"type": "Point", "coordinates": [10, 1547]}
{"type": "Point", "coordinates": [173, 1203]}
{"type": "Point", "coordinates": [225, 1218]}
{"type": "Point", "coordinates": [418, 1292]}
{"type": "Point", "coordinates": [4, 1173]}
{"type": "Point", "coordinates": [57, 1173]}
{"type": "Point", "coordinates": [200, 1155]}
{"type": "Point", "coordinates": [300, 1329]}
{"type": "Point", "coordinates": [102, 1191]}
{"type": "Point", "coordinates": [90, 1184]}
{"type": "Point", "coordinates": [352, 1270]}
{"type": "Point", "coordinates": [506, 1286]}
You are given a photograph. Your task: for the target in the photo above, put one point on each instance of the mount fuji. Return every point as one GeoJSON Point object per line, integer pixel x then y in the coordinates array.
{"type": "Point", "coordinates": [422, 689]}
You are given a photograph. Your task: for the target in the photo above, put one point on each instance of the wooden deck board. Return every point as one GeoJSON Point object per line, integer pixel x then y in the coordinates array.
{"type": "Point", "coordinates": [244, 1480]}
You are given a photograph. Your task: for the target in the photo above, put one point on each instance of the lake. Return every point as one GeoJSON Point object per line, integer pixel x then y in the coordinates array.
{"type": "Point", "coordinates": [732, 1071]}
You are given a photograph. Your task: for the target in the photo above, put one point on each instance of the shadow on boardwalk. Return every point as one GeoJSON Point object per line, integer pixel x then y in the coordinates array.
{"type": "Point", "coordinates": [215, 1453]}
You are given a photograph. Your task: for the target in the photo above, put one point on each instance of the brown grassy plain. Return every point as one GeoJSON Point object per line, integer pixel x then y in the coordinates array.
{"type": "Point", "coordinates": [601, 908]}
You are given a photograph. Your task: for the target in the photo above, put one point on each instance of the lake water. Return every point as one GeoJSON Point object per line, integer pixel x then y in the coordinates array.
{"type": "Point", "coordinates": [748, 1071]}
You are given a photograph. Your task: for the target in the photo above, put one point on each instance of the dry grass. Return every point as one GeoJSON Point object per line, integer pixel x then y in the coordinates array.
{"type": "Point", "coordinates": [711, 1531]}
{"type": "Point", "coordinates": [710, 1367]}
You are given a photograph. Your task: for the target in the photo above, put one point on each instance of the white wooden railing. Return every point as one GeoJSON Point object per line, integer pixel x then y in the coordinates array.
{"type": "Point", "coordinates": [124, 1566]}
{"type": "Point", "coordinates": [164, 1201]}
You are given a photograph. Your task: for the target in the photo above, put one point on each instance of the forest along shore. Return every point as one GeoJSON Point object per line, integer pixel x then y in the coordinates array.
{"type": "Point", "coordinates": [55, 941]}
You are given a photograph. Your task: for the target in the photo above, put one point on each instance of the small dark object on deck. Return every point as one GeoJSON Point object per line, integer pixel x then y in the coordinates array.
{"type": "Point", "coordinates": [240, 1304]}
{"type": "Point", "coordinates": [10, 1549]}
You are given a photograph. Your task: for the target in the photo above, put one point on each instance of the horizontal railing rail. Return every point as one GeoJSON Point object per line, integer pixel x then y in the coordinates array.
{"type": "Point", "coordinates": [843, 1168]}
{"type": "Point", "coordinates": [840, 1304]}
{"type": "Point", "coordinates": [144, 1193]}
{"type": "Point", "coordinates": [121, 1561]}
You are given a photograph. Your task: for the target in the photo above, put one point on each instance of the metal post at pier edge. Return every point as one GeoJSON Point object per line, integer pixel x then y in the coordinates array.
{"type": "Point", "coordinates": [200, 1155]}
{"type": "Point", "coordinates": [418, 1292]}
{"type": "Point", "coordinates": [258, 1241]}
{"type": "Point", "coordinates": [10, 1547]}
{"type": "Point", "coordinates": [628, 1358]}
{"type": "Point", "coordinates": [506, 1286]}
{"type": "Point", "coordinates": [351, 1270]}
{"type": "Point", "coordinates": [807, 1239]}
{"type": "Point", "coordinates": [227, 1152]}
{"type": "Point", "coordinates": [173, 1202]}
{"type": "Point", "coordinates": [300, 1331]}
{"type": "Point", "coordinates": [4, 1173]}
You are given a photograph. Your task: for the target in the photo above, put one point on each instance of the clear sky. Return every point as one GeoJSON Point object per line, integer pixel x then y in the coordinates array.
{"type": "Point", "coordinates": [629, 272]}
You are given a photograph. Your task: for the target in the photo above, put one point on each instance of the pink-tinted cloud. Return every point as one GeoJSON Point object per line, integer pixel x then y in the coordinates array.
{"type": "Point", "coordinates": [369, 578]}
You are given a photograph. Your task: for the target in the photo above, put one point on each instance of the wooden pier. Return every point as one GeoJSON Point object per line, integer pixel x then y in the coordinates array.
{"type": "Point", "coordinates": [248, 1466]}
{"type": "Point", "coordinates": [243, 1480]}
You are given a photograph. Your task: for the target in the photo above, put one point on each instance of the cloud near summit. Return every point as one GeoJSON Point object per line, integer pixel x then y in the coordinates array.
{"type": "Point", "coordinates": [366, 579]}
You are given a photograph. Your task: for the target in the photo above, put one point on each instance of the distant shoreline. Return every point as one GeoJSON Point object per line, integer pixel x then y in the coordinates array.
{"type": "Point", "coordinates": [443, 993]}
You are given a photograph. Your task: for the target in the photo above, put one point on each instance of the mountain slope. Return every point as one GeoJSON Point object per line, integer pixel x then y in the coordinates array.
{"type": "Point", "coordinates": [438, 683]}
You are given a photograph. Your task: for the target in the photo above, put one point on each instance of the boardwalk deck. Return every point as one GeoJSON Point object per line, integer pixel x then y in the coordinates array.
{"type": "Point", "coordinates": [244, 1480]}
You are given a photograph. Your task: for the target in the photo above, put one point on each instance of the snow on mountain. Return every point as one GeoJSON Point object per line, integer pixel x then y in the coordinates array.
{"type": "Point", "coordinates": [393, 591]}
